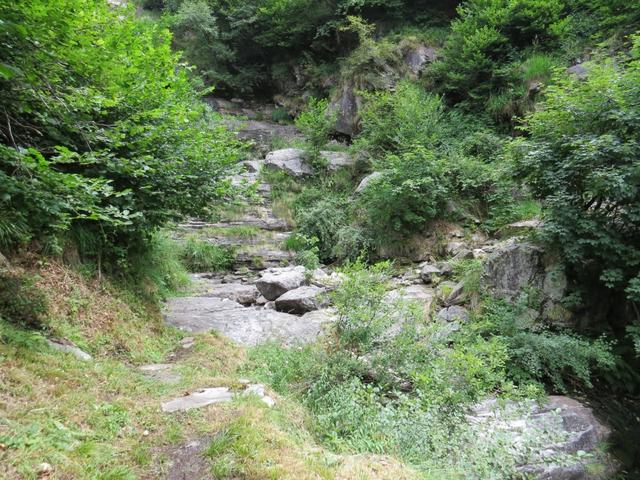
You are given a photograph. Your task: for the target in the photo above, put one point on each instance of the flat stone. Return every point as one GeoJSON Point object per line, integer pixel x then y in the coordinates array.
{"type": "Point", "coordinates": [208, 396]}
{"type": "Point", "coordinates": [200, 398]}
{"type": "Point", "coordinates": [197, 314]}
{"type": "Point", "coordinates": [67, 346]}
{"type": "Point", "coordinates": [337, 160]}
{"type": "Point", "coordinates": [417, 293]}
{"type": "Point", "coordinates": [289, 160]}
{"type": "Point", "coordinates": [301, 300]}
{"type": "Point", "coordinates": [276, 281]}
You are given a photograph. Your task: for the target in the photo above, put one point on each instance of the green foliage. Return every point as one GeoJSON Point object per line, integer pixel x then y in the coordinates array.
{"type": "Point", "coordinates": [385, 382]}
{"type": "Point", "coordinates": [21, 302]}
{"type": "Point", "coordinates": [316, 122]}
{"type": "Point", "coordinates": [102, 132]}
{"type": "Point", "coordinates": [582, 161]}
{"type": "Point", "coordinates": [322, 221]}
{"type": "Point", "coordinates": [537, 354]}
{"type": "Point", "coordinates": [203, 256]}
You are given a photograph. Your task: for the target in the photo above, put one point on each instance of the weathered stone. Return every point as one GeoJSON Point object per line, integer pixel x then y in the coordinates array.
{"type": "Point", "coordinates": [513, 267]}
{"type": "Point", "coordinates": [366, 181]}
{"type": "Point", "coordinates": [197, 314]}
{"type": "Point", "coordinates": [462, 254]}
{"type": "Point", "coordinates": [452, 248]}
{"type": "Point", "coordinates": [418, 56]}
{"type": "Point", "coordinates": [444, 289]}
{"type": "Point", "coordinates": [289, 160]}
{"type": "Point", "coordinates": [276, 281]}
{"type": "Point", "coordinates": [579, 71]}
{"type": "Point", "coordinates": [67, 346]}
{"type": "Point", "coordinates": [414, 293]}
{"type": "Point", "coordinates": [337, 160]}
{"type": "Point", "coordinates": [456, 296]}
{"type": "Point", "coordinates": [200, 398]}
{"type": "Point", "coordinates": [208, 396]}
{"type": "Point", "coordinates": [446, 268]}
{"type": "Point", "coordinates": [548, 436]}
{"type": "Point", "coordinates": [347, 106]}
{"type": "Point", "coordinates": [293, 161]}
{"type": "Point", "coordinates": [428, 271]}
{"type": "Point", "coordinates": [301, 300]}
{"type": "Point", "coordinates": [244, 294]}
{"type": "Point", "coordinates": [453, 313]}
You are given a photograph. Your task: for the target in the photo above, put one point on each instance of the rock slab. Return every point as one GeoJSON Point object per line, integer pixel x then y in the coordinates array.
{"type": "Point", "coordinates": [275, 282]}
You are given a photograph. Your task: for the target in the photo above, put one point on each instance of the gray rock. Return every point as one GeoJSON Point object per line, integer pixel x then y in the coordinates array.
{"type": "Point", "coordinates": [244, 325]}
{"type": "Point", "coordinates": [293, 161]}
{"type": "Point", "coordinates": [463, 254]}
{"type": "Point", "coordinates": [200, 398]}
{"type": "Point", "coordinates": [337, 160]}
{"type": "Point", "coordinates": [67, 346]}
{"type": "Point", "coordinates": [512, 267]}
{"type": "Point", "coordinates": [366, 181]}
{"type": "Point", "coordinates": [253, 166]}
{"type": "Point", "coordinates": [547, 436]}
{"type": "Point", "coordinates": [289, 160]}
{"type": "Point", "coordinates": [244, 294]}
{"type": "Point", "coordinates": [428, 271]}
{"type": "Point", "coordinates": [418, 56]}
{"type": "Point", "coordinates": [579, 71]}
{"type": "Point", "coordinates": [414, 293]}
{"type": "Point", "coordinates": [347, 106]}
{"type": "Point", "coordinates": [276, 281]}
{"type": "Point", "coordinates": [188, 462]}
{"type": "Point", "coordinates": [453, 313]}
{"type": "Point", "coordinates": [446, 268]}
{"type": "Point", "coordinates": [453, 248]}
{"type": "Point", "coordinates": [301, 300]}
{"type": "Point", "coordinates": [444, 289]}
{"type": "Point", "coordinates": [456, 296]}
{"type": "Point", "coordinates": [208, 396]}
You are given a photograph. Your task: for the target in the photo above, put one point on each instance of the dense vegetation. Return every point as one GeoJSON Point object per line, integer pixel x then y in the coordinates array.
{"type": "Point", "coordinates": [105, 140]}
{"type": "Point", "coordinates": [103, 136]}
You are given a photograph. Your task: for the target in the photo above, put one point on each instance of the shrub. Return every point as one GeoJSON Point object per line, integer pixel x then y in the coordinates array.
{"type": "Point", "coordinates": [106, 131]}
{"type": "Point", "coordinates": [21, 302]}
{"type": "Point", "coordinates": [538, 354]}
{"type": "Point", "coordinates": [203, 256]}
{"type": "Point", "coordinates": [322, 221]}
{"type": "Point", "coordinates": [581, 160]}
{"type": "Point", "coordinates": [316, 122]}
{"type": "Point", "coordinates": [412, 190]}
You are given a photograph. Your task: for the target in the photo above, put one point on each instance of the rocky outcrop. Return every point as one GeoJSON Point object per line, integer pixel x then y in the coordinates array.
{"type": "Point", "coordinates": [275, 282]}
{"type": "Point", "coordinates": [416, 57]}
{"type": "Point", "coordinates": [560, 440]}
{"type": "Point", "coordinates": [453, 313]}
{"type": "Point", "coordinates": [244, 294]}
{"type": "Point", "coordinates": [346, 105]}
{"type": "Point", "coordinates": [301, 300]}
{"type": "Point", "coordinates": [293, 161]}
{"type": "Point", "coordinates": [515, 267]}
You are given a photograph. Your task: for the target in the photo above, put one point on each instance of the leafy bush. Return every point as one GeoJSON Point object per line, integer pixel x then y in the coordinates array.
{"type": "Point", "coordinates": [104, 131]}
{"type": "Point", "coordinates": [203, 256]}
{"type": "Point", "coordinates": [21, 302]}
{"type": "Point", "coordinates": [412, 191]}
{"type": "Point", "coordinates": [536, 354]}
{"type": "Point", "coordinates": [316, 122]}
{"type": "Point", "coordinates": [401, 120]}
{"type": "Point", "coordinates": [322, 222]}
{"type": "Point", "coordinates": [582, 160]}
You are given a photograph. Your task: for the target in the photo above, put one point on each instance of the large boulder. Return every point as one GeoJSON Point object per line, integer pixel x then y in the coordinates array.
{"type": "Point", "coordinates": [559, 440]}
{"type": "Point", "coordinates": [274, 282]}
{"type": "Point", "coordinates": [453, 313]}
{"type": "Point", "coordinates": [289, 160]}
{"type": "Point", "coordinates": [293, 161]}
{"type": "Point", "coordinates": [514, 267]}
{"type": "Point", "coordinates": [242, 293]}
{"type": "Point", "coordinates": [301, 300]}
